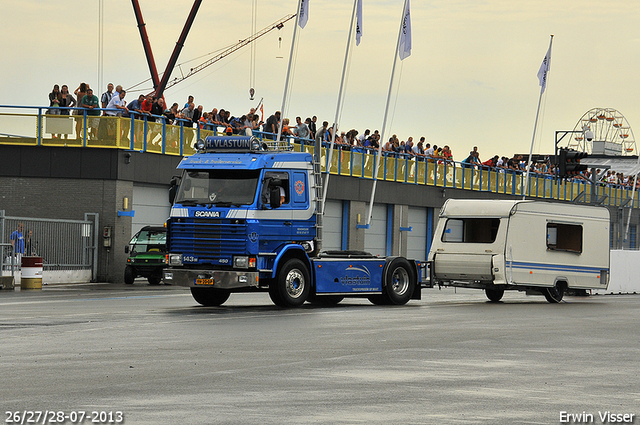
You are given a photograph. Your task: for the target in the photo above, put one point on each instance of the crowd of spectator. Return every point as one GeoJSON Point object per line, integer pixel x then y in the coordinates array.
{"type": "Point", "coordinates": [146, 107]}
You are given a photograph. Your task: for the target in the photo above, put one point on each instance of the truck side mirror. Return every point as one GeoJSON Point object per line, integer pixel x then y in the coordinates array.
{"type": "Point", "coordinates": [274, 197]}
{"type": "Point", "coordinates": [126, 249]}
{"type": "Point", "coordinates": [173, 190]}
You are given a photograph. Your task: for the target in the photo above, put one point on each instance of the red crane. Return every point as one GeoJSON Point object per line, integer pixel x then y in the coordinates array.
{"type": "Point", "coordinates": [161, 85]}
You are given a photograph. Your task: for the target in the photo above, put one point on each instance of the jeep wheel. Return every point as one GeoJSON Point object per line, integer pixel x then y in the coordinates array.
{"type": "Point", "coordinates": [129, 275]}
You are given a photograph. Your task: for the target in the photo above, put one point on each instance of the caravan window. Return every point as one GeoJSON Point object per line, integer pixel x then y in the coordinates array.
{"type": "Point", "coordinates": [564, 237]}
{"type": "Point", "coordinates": [471, 230]}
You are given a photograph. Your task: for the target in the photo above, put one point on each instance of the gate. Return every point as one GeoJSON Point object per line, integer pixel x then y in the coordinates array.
{"type": "Point", "coordinates": [68, 247]}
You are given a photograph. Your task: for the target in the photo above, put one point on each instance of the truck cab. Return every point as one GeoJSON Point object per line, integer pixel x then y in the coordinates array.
{"type": "Point", "coordinates": [238, 208]}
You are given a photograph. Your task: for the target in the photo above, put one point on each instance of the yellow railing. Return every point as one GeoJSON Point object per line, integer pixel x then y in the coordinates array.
{"type": "Point", "coordinates": [157, 137]}
{"type": "Point", "coordinates": [98, 131]}
{"type": "Point", "coordinates": [408, 170]}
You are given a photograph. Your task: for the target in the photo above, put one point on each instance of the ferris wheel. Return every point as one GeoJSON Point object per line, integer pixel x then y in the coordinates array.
{"type": "Point", "coordinates": [604, 131]}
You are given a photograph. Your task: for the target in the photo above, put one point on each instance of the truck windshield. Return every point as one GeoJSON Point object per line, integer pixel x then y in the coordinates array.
{"type": "Point", "coordinates": [218, 187]}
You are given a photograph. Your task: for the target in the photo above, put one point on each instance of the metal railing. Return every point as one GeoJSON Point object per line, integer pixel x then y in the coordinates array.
{"type": "Point", "coordinates": [360, 162]}
{"type": "Point", "coordinates": [22, 125]}
{"type": "Point", "coordinates": [63, 244]}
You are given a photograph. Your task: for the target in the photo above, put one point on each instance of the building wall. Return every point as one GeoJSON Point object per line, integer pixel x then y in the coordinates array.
{"type": "Point", "coordinates": [66, 183]}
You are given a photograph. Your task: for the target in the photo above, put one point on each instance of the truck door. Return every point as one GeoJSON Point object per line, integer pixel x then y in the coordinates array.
{"type": "Point", "coordinates": [303, 222]}
{"type": "Point", "coordinates": [275, 224]}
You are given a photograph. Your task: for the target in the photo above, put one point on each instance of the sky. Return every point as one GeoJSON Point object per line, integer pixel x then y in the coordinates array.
{"type": "Point", "coordinates": [471, 78]}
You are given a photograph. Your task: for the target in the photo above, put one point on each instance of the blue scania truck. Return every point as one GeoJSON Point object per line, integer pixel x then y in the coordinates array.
{"type": "Point", "coordinates": [247, 217]}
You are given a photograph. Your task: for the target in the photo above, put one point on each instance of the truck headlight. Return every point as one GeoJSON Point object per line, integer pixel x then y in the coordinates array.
{"type": "Point", "coordinates": [241, 262]}
{"type": "Point", "coordinates": [244, 262]}
{"type": "Point", "coordinates": [174, 259]}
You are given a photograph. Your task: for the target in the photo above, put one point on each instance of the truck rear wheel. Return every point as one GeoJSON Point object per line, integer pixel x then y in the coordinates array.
{"type": "Point", "coordinates": [399, 282]}
{"type": "Point", "coordinates": [493, 294]}
{"type": "Point", "coordinates": [210, 297]}
{"type": "Point", "coordinates": [292, 285]}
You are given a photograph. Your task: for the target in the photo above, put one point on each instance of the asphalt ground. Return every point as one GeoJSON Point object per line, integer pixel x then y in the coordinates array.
{"type": "Point", "coordinates": [155, 355]}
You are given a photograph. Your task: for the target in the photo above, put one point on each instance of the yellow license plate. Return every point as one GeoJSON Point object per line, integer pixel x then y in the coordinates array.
{"type": "Point", "coordinates": [204, 281]}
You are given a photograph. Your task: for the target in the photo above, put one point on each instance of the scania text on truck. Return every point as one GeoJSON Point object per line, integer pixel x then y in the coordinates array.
{"type": "Point", "coordinates": [247, 217]}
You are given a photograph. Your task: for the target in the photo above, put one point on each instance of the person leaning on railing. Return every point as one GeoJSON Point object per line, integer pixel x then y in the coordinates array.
{"type": "Point", "coordinates": [171, 113]}
{"type": "Point", "coordinates": [90, 102]}
{"type": "Point", "coordinates": [116, 107]}
{"type": "Point", "coordinates": [157, 109]}
{"type": "Point", "coordinates": [301, 129]}
{"type": "Point", "coordinates": [491, 163]}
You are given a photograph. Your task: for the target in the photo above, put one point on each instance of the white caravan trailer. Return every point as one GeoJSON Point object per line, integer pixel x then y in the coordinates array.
{"type": "Point", "coordinates": [539, 247]}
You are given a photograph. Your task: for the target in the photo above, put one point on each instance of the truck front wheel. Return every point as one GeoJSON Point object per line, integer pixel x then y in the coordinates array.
{"type": "Point", "coordinates": [291, 287]}
{"type": "Point", "coordinates": [210, 297]}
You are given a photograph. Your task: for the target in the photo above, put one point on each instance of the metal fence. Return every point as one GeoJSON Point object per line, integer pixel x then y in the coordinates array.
{"type": "Point", "coordinates": [62, 244]}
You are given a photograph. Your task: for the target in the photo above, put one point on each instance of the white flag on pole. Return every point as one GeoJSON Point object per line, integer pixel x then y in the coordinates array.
{"type": "Point", "coordinates": [358, 22]}
{"type": "Point", "coordinates": [544, 70]}
{"type": "Point", "coordinates": [405, 36]}
{"type": "Point", "coordinates": [304, 13]}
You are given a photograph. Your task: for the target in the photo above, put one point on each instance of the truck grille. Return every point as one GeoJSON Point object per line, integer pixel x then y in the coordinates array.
{"type": "Point", "coordinates": [209, 239]}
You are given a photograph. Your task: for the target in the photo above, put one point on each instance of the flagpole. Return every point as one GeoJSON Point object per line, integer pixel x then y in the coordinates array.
{"type": "Point", "coordinates": [286, 83]}
{"type": "Point", "coordinates": [386, 113]}
{"type": "Point", "coordinates": [633, 194]}
{"type": "Point", "coordinates": [339, 105]}
{"type": "Point", "coordinates": [535, 125]}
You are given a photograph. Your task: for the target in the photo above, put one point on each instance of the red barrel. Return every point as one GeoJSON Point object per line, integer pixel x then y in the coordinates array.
{"type": "Point", "coordinates": [31, 277]}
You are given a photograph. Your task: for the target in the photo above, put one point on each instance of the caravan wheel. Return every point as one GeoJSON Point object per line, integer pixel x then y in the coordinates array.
{"type": "Point", "coordinates": [493, 294]}
{"type": "Point", "coordinates": [554, 295]}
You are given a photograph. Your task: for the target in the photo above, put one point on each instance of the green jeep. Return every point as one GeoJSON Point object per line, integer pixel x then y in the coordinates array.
{"type": "Point", "coordinates": [146, 255]}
